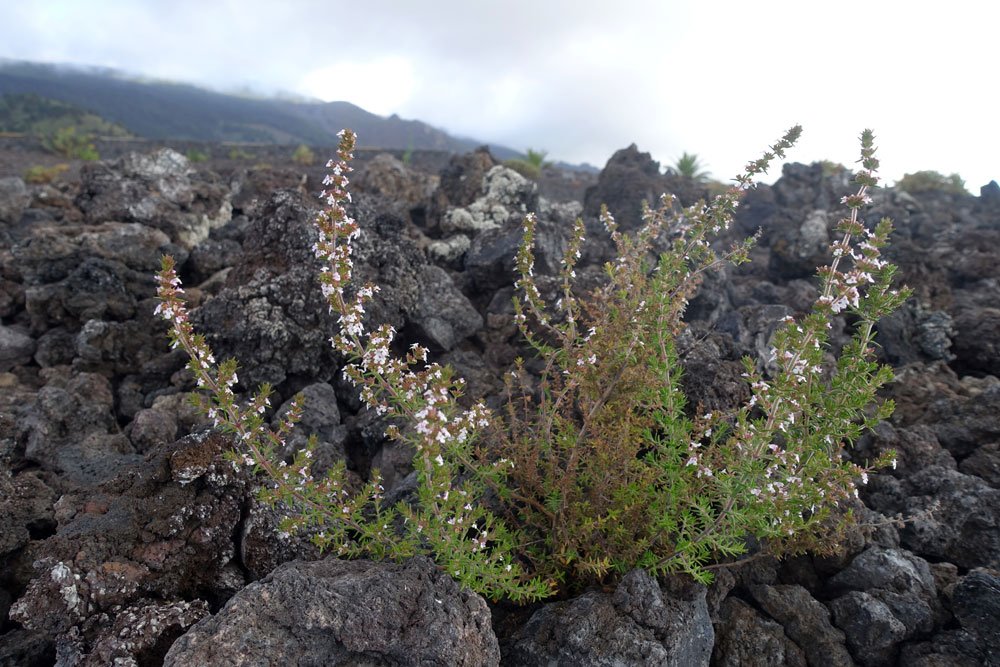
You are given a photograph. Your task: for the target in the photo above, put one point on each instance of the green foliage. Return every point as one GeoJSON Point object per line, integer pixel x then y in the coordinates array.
{"type": "Point", "coordinates": [689, 166]}
{"type": "Point", "coordinates": [831, 168]}
{"type": "Point", "coordinates": [38, 174]}
{"type": "Point", "coordinates": [407, 157]}
{"type": "Point", "coordinates": [447, 520]}
{"type": "Point", "coordinates": [537, 158]}
{"type": "Point", "coordinates": [932, 181]}
{"type": "Point", "coordinates": [304, 156]}
{"type": "Point", "coordinates": [600, 463]}
{"type": "Point", "coordinates": [43, 117]}
{"type": "Point", "coordinates": [530, 166]}
{"type": "Point", "coordinates": [194, 155]}
{"type": "Point", "coordinates": [69, 142]}
{"type": "Point", "coordinates": [239, 154]}
{"type": "Point", "coordinates": [611, 465]}
{"type": "Point", "coordinates": [524, 168]}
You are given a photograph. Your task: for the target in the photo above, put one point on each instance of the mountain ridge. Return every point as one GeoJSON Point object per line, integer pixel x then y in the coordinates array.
{"type": "Point", "coordinates": [165, 110]}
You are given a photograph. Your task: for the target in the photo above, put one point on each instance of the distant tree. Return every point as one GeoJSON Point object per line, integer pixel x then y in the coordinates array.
{"type": "Point", "coordinates": [689, 165]}
{"type": "Point", "coordinates": [932, 181]}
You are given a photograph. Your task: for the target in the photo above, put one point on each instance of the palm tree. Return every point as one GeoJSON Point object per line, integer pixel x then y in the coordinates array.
{"type": "Point", "coordinates": [689, 166]}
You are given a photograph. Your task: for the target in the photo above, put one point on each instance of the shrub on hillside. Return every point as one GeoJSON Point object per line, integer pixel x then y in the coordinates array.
{"type": "Point", "coordinates": [932, 181]}
{"type": "Point", "coordinates": [304, 156]}
{"type": "Point", "coordinates": [38, 174]}
{"type": "Point", "coordinates": [195, 155]}
{"type": "Point", "coordinates": [71, 143]}
{"type": "Point", "coordinates": [599, 464]}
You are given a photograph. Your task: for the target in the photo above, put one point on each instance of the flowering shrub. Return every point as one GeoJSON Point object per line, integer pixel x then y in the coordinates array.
{"type": "Point", "coordinates": [447, 519]}
{"type": "Point", "coordinates": [610, 466]}
{"type": "Point", "coordinates": [599, 465]}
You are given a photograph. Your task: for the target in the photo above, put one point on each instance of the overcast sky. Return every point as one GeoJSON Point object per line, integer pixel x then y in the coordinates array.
{"type": "Point", "coordinates": [582, 78]}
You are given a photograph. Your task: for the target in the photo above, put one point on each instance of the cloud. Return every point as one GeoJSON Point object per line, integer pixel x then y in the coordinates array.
{"type": "Point", "coordinates": [582, 79]}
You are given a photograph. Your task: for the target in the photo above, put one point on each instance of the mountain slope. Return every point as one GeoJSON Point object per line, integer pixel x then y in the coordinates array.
{"type": "Point", "coordinates": [158, 110]}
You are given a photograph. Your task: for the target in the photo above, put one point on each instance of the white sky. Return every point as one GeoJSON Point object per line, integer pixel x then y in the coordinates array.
{"type": "Point", "coordinates": [581, 78]}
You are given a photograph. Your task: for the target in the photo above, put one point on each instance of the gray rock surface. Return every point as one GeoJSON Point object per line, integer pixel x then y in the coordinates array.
{"type": "Point", "coordinates": [388, 177]}
{"type": "Point", "coordinates": [334, 612]}
{"type": "Point", "coordinates": [14, 198]}
{"type": "Point", "coordinates": [506, 196]}
{"type": "Point", "coordinates": [158, 189]}
{"type": "Point", "coordinates": [155, 529]}
{"type": "Point", "coordinates": [872, 630]}
{"type": "Point", "coordinates": [443, 315]}
{"type": "Point", "coordinates": [956, 516]}
{"type": "Point", "coordinates": [903, 582]}
{"type": "Point", "coordinates": [745, 638]}
{"type": "Point", "coordinates": [806, 622]}
{"type": "Point", "coordinates": [16, 348]}
{"type": "Point", "coordinates": [638, 624]}
{"type": "Point", "coordinates": [976, 604]}
{"type": "Point", "coordinates": [69, 428]}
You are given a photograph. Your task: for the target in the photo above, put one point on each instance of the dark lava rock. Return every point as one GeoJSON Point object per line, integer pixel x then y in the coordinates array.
{"type": "Point", "coordinates": [871, 628]}
{"type": "Point", "coordinates": [954, 517]}
{"type": "Point", "coordinates": [16, 348]}
{"type": "Point", "coordinates": [638, 624]}
{"type": "Point", "coordinates": [891, 597]}
{"type": "Point", "coordinates": [14, 198]}
{"type": "Point", "coordinates": [806, 622]}
{"type": "Point", "coordinates": [490, 261]}
{"type": "Point", "coordinates": [77, 273]}
{"type": "Point", "coordinates": [69, 428]}
{"type": "Point", "coordinates": [335, 612]}
{"type": "Point", "coordinates": [442, 315]}
{"type": "Point", "coordinates": [914, 333]}
{"type": "Point", "coordinates": [163, 530]}
{"type": "Point", "coordinates": [631, 177]}
{"type": "Point", "coordinates": [990, 193]}
{"type": "Point", "coordinates": [977, 341]}
{"type": "Point", "coordinates": [253, 187]}
{"type": "Point", "coordinates": [388, 177]}
{"type": "Point", "coordinates": [746, 638]}
{"type": "Point", "coordinates": [976, 604]}
{"type": "Point", "coordinates": [209, 257]}
{"type": "Point", "coordinates": [507, 196]}
{"type": "Point", "coordinates": [797, 249]}
{"type": "Point", "coordinates": [984, 463]}
{"type": "Point", "coordinates": [25, 512]}
{"type": "Point", "coordinates": [272, 315]}
{"type": "Point", "coordinates": [461, 181]}
{"type": "Point", "coordinates": [160, 190]}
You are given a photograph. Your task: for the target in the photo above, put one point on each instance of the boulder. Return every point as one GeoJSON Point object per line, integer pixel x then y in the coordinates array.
{"type": "Point", "coordinates": [630, 178]}
{"type": "Point", "coordinates": [16, 348]}
{"type": "Point", "coordinates": [806, 622]}
{"type": "Point", "coordinates": [158, 189]}
{"type": "Point", "coordinates": [335, 612]}
{"type": "Point", "coordinates": [639, 624]}
{"type": "Point", "coordinates": [744, 636]}
{"type": "Point", "coordinates": [14, 198]}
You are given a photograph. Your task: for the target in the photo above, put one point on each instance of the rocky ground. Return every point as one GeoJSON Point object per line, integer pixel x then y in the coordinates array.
{"type": "Point", "coordinates": [124, 539]}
